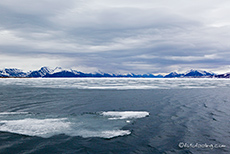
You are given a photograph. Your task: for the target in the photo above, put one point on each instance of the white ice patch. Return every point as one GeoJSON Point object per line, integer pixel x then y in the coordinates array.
{"type": "Point", "coordinates": [102, 124]}
{"type": "Point", "coordinates": [103, 134]}
{"type": "Point", "coordinates": [49, 127]}
{"type": "Point", "coordinates": [35, 127]}
{"type": "Point", "coordinates": [125, 114]}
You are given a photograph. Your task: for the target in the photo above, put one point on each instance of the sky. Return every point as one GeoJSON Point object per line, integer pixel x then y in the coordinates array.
{"type": "Point", "coordinates": [116, 36]}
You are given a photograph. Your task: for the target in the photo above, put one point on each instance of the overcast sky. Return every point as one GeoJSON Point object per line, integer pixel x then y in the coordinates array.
{"type": "Point", "coordinates": [147, 36]}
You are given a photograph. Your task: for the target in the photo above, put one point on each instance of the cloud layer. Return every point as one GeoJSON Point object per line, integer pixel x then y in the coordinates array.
{"type": "Point", "coordinates": [116, 36]}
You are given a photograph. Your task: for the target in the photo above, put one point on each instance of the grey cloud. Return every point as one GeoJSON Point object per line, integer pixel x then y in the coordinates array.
{"type": "Point", "coordinates": [131, 36]}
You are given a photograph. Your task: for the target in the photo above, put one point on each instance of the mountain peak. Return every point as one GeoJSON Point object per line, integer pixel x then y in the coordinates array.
{"type": "Point", "coordinates": [197, 73]}
{"type": "Point", "coordinates": [45, 69]}
{"type": "Point", "coordinates": [14, 72]}
{"type": "Point", "coordinates": [40, 73]}
{"type": "Point", "coordinates": [173, 75]}
{"type": "Point", "coordinates": [60, 69]}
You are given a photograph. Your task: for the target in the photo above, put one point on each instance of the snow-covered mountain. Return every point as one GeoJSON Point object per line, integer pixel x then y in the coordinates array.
{"type": "Point", "coordinates": [197, 73]}
{"type": "Point", "coordinates": [3, 73]}
{"type": "Point", "coordinates": [173, 75]}
{"type": "Point", "coordinates": [46, 72]}
{"type": "Point", "coordinates": [12, 72]}
{"type": "Point", "coordinates": [40, 73]}
{"type": "Point", "coordinates": [60, 72]}
{"type": "Point", "coordinates": [190, 74]}
{"type": "Point", "coordinates": [226, 75]}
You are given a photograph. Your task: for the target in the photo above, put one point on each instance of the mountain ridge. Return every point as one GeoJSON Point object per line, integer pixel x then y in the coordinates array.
{"type": "Point", "coordinates": [58, 72]}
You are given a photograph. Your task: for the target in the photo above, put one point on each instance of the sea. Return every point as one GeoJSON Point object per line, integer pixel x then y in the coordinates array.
{"type": "Point", "coordinates": [114, 116]}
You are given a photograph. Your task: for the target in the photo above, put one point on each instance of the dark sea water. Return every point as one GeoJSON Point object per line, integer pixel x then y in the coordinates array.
{"type": "Point", "coordinates": [106, 116]}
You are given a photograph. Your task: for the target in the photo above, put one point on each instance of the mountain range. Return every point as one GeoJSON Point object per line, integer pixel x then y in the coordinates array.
{"type": "Point", "coordinates": [46, 72]}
